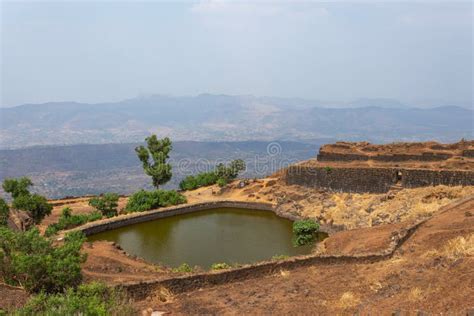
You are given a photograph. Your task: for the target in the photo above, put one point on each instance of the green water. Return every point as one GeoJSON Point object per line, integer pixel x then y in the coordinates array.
{"type": "Point", "coordinates": [202, 238]}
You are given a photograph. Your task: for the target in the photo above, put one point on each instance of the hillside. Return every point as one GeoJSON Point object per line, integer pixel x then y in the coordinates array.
{"type": "Point", "coordinates": [228, 118]}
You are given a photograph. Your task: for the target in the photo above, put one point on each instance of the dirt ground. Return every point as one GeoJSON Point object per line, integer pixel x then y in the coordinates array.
{"type": "Point", "coordinates": [433, 273]}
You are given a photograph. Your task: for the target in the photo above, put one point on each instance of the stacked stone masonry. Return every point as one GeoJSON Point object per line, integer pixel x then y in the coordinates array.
{"type": "Point", "coordinates": [426, 156]}
{"type": "Point", "coordinates": [373, 180]}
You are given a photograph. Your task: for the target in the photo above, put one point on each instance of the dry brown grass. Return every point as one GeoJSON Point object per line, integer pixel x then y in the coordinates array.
{"type": "Point", "coordinates": [348, 300]}
{"type": "Point", "coordinates": [364, 210]}
{"type": "Point", "coordinates": [164, 295]}
{"type": "Point", "coordinates": [415, 294]}
{"type": "Point", "coordinates": [459, 247]}
{"type": "Point", "coordinates": [285, 273]}
{"type": "Point", "coordinates": [455, 248]}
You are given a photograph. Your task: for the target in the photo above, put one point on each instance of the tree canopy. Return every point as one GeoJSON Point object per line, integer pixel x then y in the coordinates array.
{"type": "Point", "coordinates": [156, 167]}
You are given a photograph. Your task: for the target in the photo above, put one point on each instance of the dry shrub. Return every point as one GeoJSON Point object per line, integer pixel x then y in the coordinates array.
{"type": "Point", "coordinates": [285, 273]}
{"type": "Point", "coordinates": [455, 248]}
{"type": "Point", "coordinates": [164, 295]}
{"type": "Point", "coordinates": [459, 247]}
{"type": "Point", "coordinates": [415, 294]}
{"type": "Point", "coordinates": [348, 300]}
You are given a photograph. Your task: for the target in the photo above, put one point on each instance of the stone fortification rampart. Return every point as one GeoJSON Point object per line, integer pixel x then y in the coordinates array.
{"type": "Point", "coordinates": [373, 180]}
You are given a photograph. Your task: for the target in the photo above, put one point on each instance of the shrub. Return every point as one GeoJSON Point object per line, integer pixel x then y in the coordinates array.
{"type": "Point", "coordinates": [221, 182]}
{"type": "Point", "coordinates": [328, 169]}
{"type": "Point", "coordinates": [304, 231]}
{"type": "Point", "coordinates": [30, 260]}
{"type": "Point", "coordinates": [200, 180]}
{"type": "Point", "coordinates": [17, 187]}
{"type": "Point", "coordinates": [221, 175]}
{"type": "Point", "coordinates": [35, 204]}
{"type": "Point", "coordinates": [106, 204]}
{"type": "Point", "coordinates": [147, 200]}
{"type": "Point", "coordinates": [87, 299]}
{"type": "Point", "coordinates": [184, 268]}
{"type": "Point", "coordinates": [4, 212]}
{"type": "Point", "coordinates": [220, 266]}
{"type": "Point", "coordinates": [67, 221]}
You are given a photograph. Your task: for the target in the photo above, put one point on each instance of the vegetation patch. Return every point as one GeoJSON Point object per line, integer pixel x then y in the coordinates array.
{"type": "Point", "coordinates": [31, 261]}
{"type": "Point", "coordinates": [4, 212]}
{"type": "Point", "coordinates": [68, 221]}
{"type": "Point", "coordinates": [147, 200]}
{"type": "Point", "coordinates": [36, 205]}
{"type": "Point", "coordinates": [280, 257]}
{"type": "Point", "coordinates": [348, 300]}
{"type": "Point", "coordinates": [87, 299]}
{"type": "Point", "coordinates": [455, 248]}
{"type": "Point", "coordinates": [106, 204]}
{"type": "Point", "coordinates": [220, 266]}
{"type": "Point", "coordinates": [222, 175]}
{"type": "Point", "coordinates": [183, 268]}
{"type": "Point", "coordinates": [304, 232]}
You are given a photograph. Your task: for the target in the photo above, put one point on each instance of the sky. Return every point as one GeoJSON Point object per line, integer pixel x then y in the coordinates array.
{"type": "Point", "coordinates": [109, 50]}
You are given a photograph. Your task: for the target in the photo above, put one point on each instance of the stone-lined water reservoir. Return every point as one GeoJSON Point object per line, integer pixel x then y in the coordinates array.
{"type": "Point", "coordinates": [229, 235]}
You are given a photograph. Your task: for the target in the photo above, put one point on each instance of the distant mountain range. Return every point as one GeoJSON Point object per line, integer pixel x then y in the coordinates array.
{"type": "Point", "coordinates": [229, 118]}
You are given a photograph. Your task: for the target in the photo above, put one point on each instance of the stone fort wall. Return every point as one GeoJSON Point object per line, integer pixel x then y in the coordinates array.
{"type": "Point", "coordinates": [373, 180]}
{"type": "Point", "coordinates": [424, 157]}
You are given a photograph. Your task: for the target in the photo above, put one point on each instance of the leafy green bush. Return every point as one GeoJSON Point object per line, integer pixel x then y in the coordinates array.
{"type": "Point", "coordinates": [184, 268]}
{"type": "Point", "coordinates": [87, 299]}
{"type": "Point", "coordinates": [221, 182]}
{"type": "Point", "coordinates": [328, 169]}
{"type": "Point", "coordinates": [106, 204]}
{"type": "Point", "coordinates": [30, 260]}
{"type": "Point", "coordinates": [4, 212]}
{"type": "Point", "coordinates": [147, 200]}
{"type": "Point", "coordinates": [35, 204]}
{"type": "Point", "coordinates": [220, 266]}
{"type": "Point", "coordinates": [221, 176]}
{"type": "Point", "coordinates": [199, 180]}
{"type": "Point", "coordinates": [304, 231]}
{"type": "Point", "coordinates": [17, 187]}
{"type": "Point", "coordinates": [67, 221]}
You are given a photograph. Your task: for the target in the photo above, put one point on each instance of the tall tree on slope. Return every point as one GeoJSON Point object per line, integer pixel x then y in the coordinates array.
{"type": "Point", "coordinates": [157, 168]}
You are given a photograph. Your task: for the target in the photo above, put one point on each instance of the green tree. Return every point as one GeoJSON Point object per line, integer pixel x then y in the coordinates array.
{"type": "Point", "coordinates": [156, 168]}
{"type": "Point", "coordinates": [17, 187]}
{"type": "Point", "coordinates": [106, 204]}
{"type": "Point", "coordinates": [230, 172]}
{"type": "Point", "coordinates": [4, 212]}
{"type": "Point", "coordinates": [35, 204]}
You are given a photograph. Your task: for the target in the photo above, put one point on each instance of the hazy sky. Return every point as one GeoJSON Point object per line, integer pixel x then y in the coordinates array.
{"type": "Point", "coordinates": [109, 50]}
